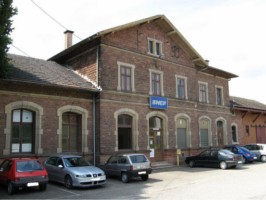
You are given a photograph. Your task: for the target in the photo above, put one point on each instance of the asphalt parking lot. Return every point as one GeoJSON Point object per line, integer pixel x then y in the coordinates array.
{"type": "Point", "coordinates": [244, 182]}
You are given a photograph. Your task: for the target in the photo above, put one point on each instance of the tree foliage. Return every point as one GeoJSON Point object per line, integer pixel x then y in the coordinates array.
{"type": "Point", "coordinates": [6, 13]}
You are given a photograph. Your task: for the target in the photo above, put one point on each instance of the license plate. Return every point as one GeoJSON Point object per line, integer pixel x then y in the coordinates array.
{"type": "Point", "coordinates": [95, 179]}
{"type": "Point", "coordinates": [33, 184]}
{"type": "Point", "coordinates": [255, 158]}
{"type": "Point", "coordinates": [240, 162]}
{"type": "Point", "coordinates": [142, 172]}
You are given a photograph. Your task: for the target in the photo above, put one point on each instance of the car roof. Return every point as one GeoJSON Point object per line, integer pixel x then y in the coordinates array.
{"type": "Point", "coordinates": [66, 156]}
{"type": "Point", "coordinates": [21, 159]}
{"type": "Point", "coordinates": [129, 154]}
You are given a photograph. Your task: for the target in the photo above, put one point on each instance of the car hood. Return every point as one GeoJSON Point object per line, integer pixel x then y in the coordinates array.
{"type": "Point", "coordinates": [85, 170]}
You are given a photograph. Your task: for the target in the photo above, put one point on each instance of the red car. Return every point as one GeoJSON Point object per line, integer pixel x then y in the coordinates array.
{"type": "Point", "coordinates": [19, 173]}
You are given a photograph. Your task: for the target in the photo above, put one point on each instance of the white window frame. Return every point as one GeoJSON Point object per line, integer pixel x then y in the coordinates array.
{"type": "Point", "coordinates": [222, 94]}
{"type": "Point", "coordinates": [185, 82]}
{"type": "Point", "coordinates": [207, 92]}
{"type": "Point", "coordinates": [119, 64]}
{"type": "Point", "coordinates": [161, 78]}
{"type": "Point", "coordinates": [154, 41]}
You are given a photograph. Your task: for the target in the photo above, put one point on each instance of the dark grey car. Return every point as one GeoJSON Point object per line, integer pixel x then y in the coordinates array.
{"type": "Point", "coordinates": [74, 171]}
{"type": "Point", "coordinates": [127, 166]}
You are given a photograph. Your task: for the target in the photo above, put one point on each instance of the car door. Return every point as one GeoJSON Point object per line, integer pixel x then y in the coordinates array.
{"type": "Point", "coordinates": [5, 171]}
{"type": "Point", "coordinates": [213, 160]}
{"type": "Point", "coordinates": [203, 158]}
{"type": "Point", "coordinates": [111, 166]}
{"type": "Point", "coordinates": [53, 169]}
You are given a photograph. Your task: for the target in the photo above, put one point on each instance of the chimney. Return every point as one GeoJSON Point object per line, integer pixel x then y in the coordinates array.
{"type": "Point", "coordinates": [68, 38]}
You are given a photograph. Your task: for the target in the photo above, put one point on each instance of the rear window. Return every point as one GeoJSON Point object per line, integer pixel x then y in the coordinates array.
{"type": "Point", "coordinates": [138, 158]}
{"type": "Point", "coordinates": [29, 165]}
{"type": "Point", "coordinates": [225, 152]}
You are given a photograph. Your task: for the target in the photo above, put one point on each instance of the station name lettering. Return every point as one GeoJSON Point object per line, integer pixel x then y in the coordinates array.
{"type": "Point", "coordinates": [158, 102]}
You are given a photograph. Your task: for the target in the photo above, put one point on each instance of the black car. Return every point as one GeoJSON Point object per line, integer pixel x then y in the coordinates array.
{"type": "Point", "coordinates": [215, 158]}
{"type": "Point", "coordinates": [127, 166]}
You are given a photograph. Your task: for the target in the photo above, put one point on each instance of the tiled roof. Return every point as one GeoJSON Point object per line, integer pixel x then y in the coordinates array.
{"type": "Point", "coordinates": [243, 103]}
{"type": "Point", "coordinates": [38, 71]}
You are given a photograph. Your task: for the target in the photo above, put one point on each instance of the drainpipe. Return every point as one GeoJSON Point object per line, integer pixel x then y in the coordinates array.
{"type": "Point", "coordinates": [94, 127]}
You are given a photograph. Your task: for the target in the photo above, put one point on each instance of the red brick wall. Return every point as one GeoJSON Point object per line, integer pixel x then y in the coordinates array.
{"type": "Point", "coordinates": [50, 105]}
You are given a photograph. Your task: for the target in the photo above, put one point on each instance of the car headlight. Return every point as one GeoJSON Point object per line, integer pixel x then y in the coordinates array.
{"type": "Point", "coordinates": [81, 176]}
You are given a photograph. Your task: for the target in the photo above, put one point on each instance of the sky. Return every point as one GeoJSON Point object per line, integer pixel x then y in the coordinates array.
{"type": "Point", "coordinates": [231, 34]}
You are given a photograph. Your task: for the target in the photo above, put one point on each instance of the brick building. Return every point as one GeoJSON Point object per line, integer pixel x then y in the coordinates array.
{"type": "Point", "coordinates": [139, 87]}
{"type": "Point", "coordinates": [249, 118]}
{"type": "Point", "coordinates": [159, 94]}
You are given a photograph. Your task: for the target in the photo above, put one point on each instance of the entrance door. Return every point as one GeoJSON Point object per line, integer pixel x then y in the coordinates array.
{"type": "Point", "coordinates": [260, 134]}
{"type": "Point", "coordinates": [156, 138]}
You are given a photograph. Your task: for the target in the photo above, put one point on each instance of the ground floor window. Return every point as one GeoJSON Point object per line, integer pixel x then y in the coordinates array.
{"type": "Point", "coordinates": [124, 131]}
{"type": "Point", "coordinates": [234, 134]}
{"type": "Point", "coordinates": [71, 132]}
{"type": "Point", "coordinates": [22, 135]}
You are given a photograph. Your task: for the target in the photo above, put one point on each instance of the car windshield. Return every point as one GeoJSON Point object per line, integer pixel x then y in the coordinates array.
{"type": "Point", "coordinates": [225, 152]}
{"type": "Point", "coordinates": [76, 162]}
{"type": "Point", "coordinates": [138, 158]}
{"type": "Point", "coordinates": [28, 165]}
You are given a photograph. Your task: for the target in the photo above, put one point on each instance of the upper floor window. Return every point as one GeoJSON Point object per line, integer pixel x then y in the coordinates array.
{"type": "Point", "coordinates": [154, 47]}
{"type": "Point", "coordinates": [181, 87]}
{"type": "Point", "coordinates": [203, 92]}
{"type": "Point", "coordinates": [219, 95]}
{"type": "Point", "coordinates": [156, 83]}
{"type": "Point", "coordinates": [126, 77]}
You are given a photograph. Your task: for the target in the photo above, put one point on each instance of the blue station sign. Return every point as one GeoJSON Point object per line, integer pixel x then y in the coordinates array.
{"type": "Point", "coordinates": [158, 102]}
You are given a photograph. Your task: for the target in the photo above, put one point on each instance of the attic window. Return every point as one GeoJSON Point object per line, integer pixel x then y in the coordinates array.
{"type": "Point", "coordinates": [155, 47]}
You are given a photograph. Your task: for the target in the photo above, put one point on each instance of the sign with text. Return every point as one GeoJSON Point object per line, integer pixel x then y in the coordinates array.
{"type": "Point", "coordinates": [158, 102]}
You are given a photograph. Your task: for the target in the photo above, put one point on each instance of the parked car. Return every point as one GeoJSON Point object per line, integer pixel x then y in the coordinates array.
{"type": "Point", "coordinates": [259, 150]}
{"type": "Point", "coordinates": [127, 166]}
{"type": "Point", "coordinates": [248, 156]}
{"type": "Point", "coordinates": [73, 171]}
{"type": "Point", "coordinates": [215, 158]}
{"type": "Point", "coordinates": [19, 173]}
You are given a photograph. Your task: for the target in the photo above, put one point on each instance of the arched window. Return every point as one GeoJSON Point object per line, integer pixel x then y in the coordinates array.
{"type": "Point", "coordinates": [182, 133]}
{"type": "Point", "coordinates": [234, 134]}
{"type": "Point", "coordinates": [124, 131]}
{"type": "Point", "coordinates": [71, 132]}
{"type": "Point", "coordinates": [22, 135]}
{"type": "Point", "coordinates": [205, 138]}
{"type": "Point", "coordinates": [220, 133]}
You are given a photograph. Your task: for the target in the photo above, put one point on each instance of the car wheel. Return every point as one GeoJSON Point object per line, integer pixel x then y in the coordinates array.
{"type": "Point", "coordinates": [145, 177]}
{"type": "Point", "coordinates": [68, 182]}
{"type": "Point", "coordinates": [124, 178]}
{"type": "Point", "coordinates": [10, 188]}
{"type": "Point", "coordinates": [223, 165]}
{"type": "Point", "coordinates": [42, 187]}
{"type": "Point", "coordinates": [263, 158]}
{"type": "Point", "coordinates": [191, 163]}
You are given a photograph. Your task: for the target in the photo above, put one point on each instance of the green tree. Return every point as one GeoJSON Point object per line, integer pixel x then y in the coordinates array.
{"type": "Point", "coordinates": [6, 13]}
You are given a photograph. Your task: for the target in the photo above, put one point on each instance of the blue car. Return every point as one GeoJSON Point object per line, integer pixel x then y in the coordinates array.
{"type": "Point", "coordinates": [247, 155]}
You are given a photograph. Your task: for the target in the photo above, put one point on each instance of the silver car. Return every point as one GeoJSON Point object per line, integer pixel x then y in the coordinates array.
{"type": "Point", "coordinates": [259, 150]}
{"type": "Point", "coordinates": [127, 166]}
{"type": "Point", "coordinates": [73, 171]}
